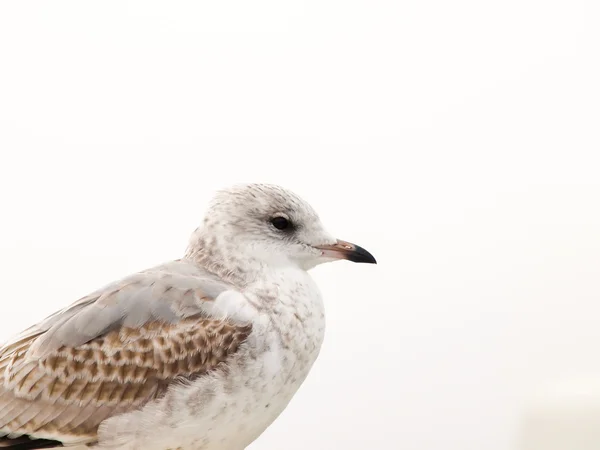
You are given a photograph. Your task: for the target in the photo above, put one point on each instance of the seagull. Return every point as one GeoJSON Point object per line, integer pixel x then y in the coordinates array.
{"type": "Point", "coordinates": [203, 352]}
{"type": "Point", "coordinates": [200, 353]}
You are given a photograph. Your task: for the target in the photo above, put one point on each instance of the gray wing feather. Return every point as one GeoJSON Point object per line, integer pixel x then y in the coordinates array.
{"type": "Point", "coordinates": [167, 293]}
{"type": "Point", "coordinates": [40, 374]}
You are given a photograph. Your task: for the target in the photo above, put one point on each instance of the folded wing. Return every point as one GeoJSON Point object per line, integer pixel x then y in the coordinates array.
{"type": "Point", "coordinates": [113, 351]}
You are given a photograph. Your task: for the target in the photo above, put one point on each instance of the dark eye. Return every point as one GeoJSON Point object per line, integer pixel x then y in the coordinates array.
{"type": "Point", "coordinates": [281, 223]}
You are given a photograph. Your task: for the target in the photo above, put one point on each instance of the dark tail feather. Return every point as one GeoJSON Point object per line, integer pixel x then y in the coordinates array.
{"type": "Point", "coordinates": [25, 443]}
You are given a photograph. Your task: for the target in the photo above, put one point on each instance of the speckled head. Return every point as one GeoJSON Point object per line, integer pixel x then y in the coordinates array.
{"type": "Point", "coordinates": [268, 224]}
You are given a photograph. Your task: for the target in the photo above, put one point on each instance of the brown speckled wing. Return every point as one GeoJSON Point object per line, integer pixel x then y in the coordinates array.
{"type": "Point", "coordinates": [66, 391]}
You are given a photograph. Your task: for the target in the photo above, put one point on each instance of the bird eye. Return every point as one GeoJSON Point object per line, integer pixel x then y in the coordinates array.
{"type": "Point", "coordinates": [281, 223]}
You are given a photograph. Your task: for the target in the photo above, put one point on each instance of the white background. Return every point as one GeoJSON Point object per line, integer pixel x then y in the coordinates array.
{"type": "Point", "coordinates": [458, 141]}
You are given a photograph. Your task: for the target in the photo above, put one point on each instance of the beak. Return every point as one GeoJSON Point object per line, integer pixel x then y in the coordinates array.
{"type": "Point", "coordinates": [347, 250]}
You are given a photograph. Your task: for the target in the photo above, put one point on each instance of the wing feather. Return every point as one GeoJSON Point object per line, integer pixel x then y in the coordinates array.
{"type": "Point", "coordinates": [113, 351]}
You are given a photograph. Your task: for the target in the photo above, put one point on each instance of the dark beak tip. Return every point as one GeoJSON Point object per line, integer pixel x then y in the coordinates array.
{"type": "Point", "coordinates": [360, 255]}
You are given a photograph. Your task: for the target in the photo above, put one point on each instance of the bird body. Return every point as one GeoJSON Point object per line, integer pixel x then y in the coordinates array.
{"type": "Point", "coordinates": [201, 353]}
{"type": "Point", "coordinates": [231, 408]}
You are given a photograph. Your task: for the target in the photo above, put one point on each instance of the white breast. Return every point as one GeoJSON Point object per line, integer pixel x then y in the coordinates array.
{"type": "Point", "coordinates": [229, 409]}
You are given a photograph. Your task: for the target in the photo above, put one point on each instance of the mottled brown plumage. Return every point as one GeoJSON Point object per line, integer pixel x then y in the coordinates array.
{"type": "Point", "coordinates": [114, 373]}
{"type": "Point", "coordinates": [100, 357]}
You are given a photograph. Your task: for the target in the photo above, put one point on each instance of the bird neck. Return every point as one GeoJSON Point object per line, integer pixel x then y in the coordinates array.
{"type": "Point", "coordinates": [224, 258]}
